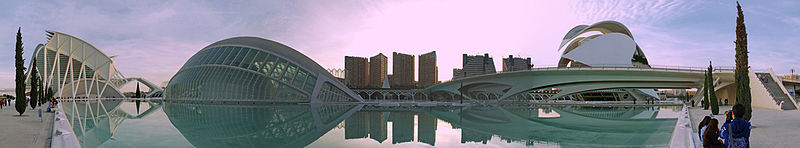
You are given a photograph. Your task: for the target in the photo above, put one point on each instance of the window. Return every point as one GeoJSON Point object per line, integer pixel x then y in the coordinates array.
{"type": "Point", "coordinates": [300, 78]}
{"type": "Point", "coordinates": [279, 68]}
{"type": "Point", "coordinates": [310, 82]}
{"type": "Point", "coordinates": [209, 54]}
{"type": "Point", "coordinates": [258, 62]}
{"type": "Point", "coordinates": [225, 51]}
{"type": "Point", "coordinates": [238, 60]}
{"type": "Point", "coordinates": [214, 55]}
{"type": "Point", "coordinates": [289, 75]}
{"type": "Point", "coordinates": [249, 58]}
{"type": "Point", "coordinates": [232, 55]}
{"type": "Point", "coordinates": [269, 65]}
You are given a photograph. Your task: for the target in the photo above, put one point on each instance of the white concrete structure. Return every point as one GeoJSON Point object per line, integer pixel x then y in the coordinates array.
{"type": "Point", "coordinates": [74, 68]}
{"type": "Point", "coordinates": [604, 56]}
{"type": "Point", "coordinates": [603, 44]}
{"type": "Point", "coordinates": [606, 43]}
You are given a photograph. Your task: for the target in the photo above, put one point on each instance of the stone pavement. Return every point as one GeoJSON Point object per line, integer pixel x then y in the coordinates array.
{"type": "Point", "coordinates": [25, 131]}
{"type": "Point", "coordinates": [771, 128]}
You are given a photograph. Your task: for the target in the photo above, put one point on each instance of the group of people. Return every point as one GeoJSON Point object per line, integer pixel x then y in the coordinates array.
{"type": "Point", "coordinates": [735, 132]}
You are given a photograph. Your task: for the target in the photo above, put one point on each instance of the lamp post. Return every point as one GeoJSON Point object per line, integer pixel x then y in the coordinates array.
{"type": "Point", "coordinates": [462, 86]}
{"type": "Point", "coordinates": [794, 86]}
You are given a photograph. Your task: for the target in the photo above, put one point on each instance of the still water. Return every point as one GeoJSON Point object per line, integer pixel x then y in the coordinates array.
{"type": "Point", "coordinates": [118, 123]}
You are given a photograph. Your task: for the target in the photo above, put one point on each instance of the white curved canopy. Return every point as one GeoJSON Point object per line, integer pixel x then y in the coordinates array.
{"type": "Point", "coordinates": [77, 49]}
{"type": "Point", "coordinates": [610, 49]}
{"type": "Point", "coordinates": [604, 27]}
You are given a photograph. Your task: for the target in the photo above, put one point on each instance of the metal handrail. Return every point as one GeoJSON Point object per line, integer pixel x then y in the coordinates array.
{"type": "Point", "coordinates": [621, 67]}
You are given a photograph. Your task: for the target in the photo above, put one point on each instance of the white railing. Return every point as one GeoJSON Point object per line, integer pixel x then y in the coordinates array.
{"type": "Point", "coordinates": [621, 67]}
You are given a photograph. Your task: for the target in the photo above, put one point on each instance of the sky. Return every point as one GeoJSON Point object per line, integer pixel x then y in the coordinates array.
{"type": "Point", "coordinates": [152, 39]}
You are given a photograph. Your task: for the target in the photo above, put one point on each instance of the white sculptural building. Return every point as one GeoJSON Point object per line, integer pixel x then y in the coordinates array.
{"type": "Point", "coordinates": [603, 44]}
{"type": "Point", "coordinates": [73, 68]}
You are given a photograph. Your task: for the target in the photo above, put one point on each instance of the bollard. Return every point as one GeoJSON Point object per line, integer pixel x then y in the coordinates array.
{"type": "Point", "coordinates": [40, 115]}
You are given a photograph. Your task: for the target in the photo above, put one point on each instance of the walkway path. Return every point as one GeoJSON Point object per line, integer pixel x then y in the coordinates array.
{"type": "Point", "coordinates": [771, 128]}
{"type": "Point", "coordinates": [26, 131]}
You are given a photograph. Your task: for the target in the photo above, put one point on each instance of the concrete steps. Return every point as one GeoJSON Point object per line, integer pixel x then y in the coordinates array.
{"type": "Point", "coordinates": [775, 91]}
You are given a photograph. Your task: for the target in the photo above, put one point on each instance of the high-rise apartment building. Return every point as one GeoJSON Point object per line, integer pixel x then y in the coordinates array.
{"type": "Point", "coordinates": [457, 73]}
{"type": "Point", "coordinates": [356, 72]}
{"type": "Point", "coordinates": [476, 65]}
{"type": "Point", "coordinates": [516, 63]}
{"type": "Point", "coordinates": [428, 70]}
{"type": "Point", "coordinates": [402, 70]}
{"type": "Point", "coordinates": [378, 68]}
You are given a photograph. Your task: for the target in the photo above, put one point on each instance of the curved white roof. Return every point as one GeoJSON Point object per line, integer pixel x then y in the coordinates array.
{"type": "Point", "coordinates": [611, 49]}
{"type": "Point", "coordinates": [614, 45]}
{"type": "Point", "coordinates": [80, 50]}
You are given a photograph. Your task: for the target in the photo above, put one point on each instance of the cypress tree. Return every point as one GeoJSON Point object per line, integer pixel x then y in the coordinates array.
{"type": "Point", "coordinates": [20, 79]}
{"type": "Point", "coordinates": [138, 93]}
{"type": "Point", "coordinates": [712, 96]}
{"type": "Point", "coordinates": [34, 86]}
{"type": "Point", "coordinates": [742, 80]}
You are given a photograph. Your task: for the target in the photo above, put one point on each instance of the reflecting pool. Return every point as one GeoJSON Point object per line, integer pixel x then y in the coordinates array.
{"type": "Point", "coordinates": [124, 123]}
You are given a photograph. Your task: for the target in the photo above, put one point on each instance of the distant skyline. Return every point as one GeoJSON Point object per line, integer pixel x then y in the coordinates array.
{"type": "Point", "coordinates": [153, 39]}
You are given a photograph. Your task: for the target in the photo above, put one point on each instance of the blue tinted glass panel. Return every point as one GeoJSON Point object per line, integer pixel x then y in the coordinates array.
{"type": "Point", "coordinates": [269, 65]}
{"type": "Point", "coordinates": [289, 74]}
{"type": "Point", "coordinates": [240, 57]}
{"type": "Point", "coordinates": [209, 53]}
{"type": "Point", "coordinates": [300, 78]}
{"type": "Point", "coordinates": [225, 51]}
{"type": "Point", "coordinates": [249, 58]}
{"type": "Point", "coordinates": [214, 54]}
{"type": "Point", "coordinates": [310, 82]}
{"type": "Point", "coordinates": [279, 68]}
{"type": "Point", "coordinates": [232, 56]}
{"type": "Point", "coordinates": [258, 62]}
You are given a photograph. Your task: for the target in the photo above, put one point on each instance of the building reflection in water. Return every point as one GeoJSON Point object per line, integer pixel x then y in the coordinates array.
{"type": "Point", "coordinates": [426, 128]}
{"type": "Point", "coordinates": [374, 125]}
{"type": "Point", "coordinates": [528, 125]}
{"type": "Point", "coordinates": [357, 126]}
{"type": "Point", "coordinates": [378, 126]}
{"type": "Point", "coordinates": [95, 122]}
{"type": "Point", "coordinates": [402, 127]}
{"type": "Point", "coordinates": [219, 125]}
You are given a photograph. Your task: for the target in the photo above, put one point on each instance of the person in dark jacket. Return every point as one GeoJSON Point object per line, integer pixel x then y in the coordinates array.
{"type": "Point", "coordinates": [723, 132]}
{"type": "Point", "coordinates": [738, 130]}
{"type": "Point", "coordinates": [710, 137]}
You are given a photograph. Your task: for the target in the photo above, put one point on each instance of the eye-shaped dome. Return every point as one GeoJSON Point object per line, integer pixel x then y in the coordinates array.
{"type": "Point", "coordinates": [252, 69]}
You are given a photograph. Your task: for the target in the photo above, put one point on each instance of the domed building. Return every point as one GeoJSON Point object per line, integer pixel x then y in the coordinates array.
{"type": "Point", "coordinates": [252, 69]}
{"type": "Point", "coordinates": [603, 44]}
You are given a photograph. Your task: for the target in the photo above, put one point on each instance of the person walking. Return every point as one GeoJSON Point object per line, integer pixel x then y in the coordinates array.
{"type": "Point", "coordinates": [710, 136]}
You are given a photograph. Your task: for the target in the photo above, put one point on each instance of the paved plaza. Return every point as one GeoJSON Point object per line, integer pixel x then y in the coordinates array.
{"type": "Point", "coordinates": [24, 131]}
{"type": "Point", "coordinates": [771, 128]}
